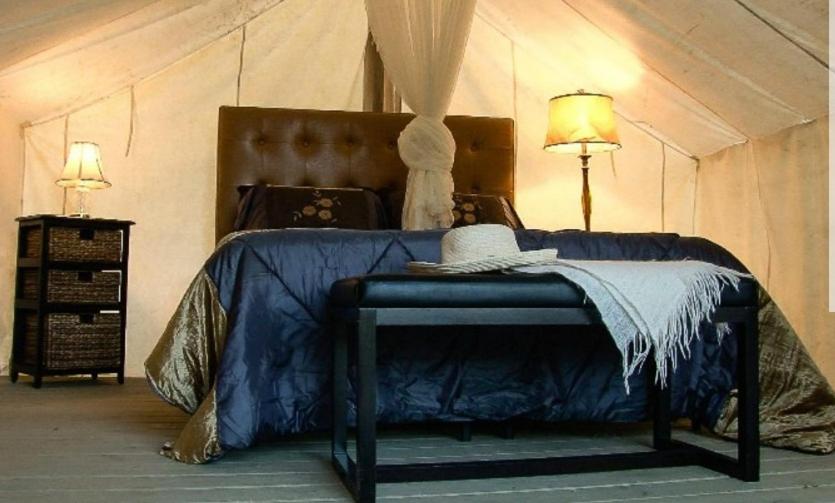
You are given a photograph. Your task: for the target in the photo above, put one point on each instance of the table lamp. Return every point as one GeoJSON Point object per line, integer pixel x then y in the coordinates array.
{"type": "Point", "coordinates": [83, 172]}
{"type": "Point", "coordinates": [584, 124]}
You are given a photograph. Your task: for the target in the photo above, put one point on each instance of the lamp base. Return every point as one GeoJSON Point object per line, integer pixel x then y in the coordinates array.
{"type": "Point", "coordinates": [585, 199]}
{"type": "Point", "coordinates": [81, 210]}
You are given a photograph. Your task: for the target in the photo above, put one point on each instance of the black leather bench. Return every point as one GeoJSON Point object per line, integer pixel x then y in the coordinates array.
{"type": "Point", "coordinates": [360, 305]}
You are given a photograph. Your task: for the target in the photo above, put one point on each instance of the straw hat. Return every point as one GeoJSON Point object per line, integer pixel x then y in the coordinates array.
{"type": "Point", "coordinates": [480, 248]}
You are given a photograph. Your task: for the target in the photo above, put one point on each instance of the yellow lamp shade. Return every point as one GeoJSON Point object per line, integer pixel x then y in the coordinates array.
{"type": "Point", "coordinates": [83, 170]}
{"type": "Point", "coordinates": [581, 124]}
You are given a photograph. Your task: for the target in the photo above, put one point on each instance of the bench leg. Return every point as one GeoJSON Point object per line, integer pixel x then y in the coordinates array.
{"type": "Point", "coordinates": [465, 431]}
{"type": "Point", "coordinates": [661, 417]}
{"type": "Point", "coordinates": [339, 431]}
{"type": "Point", "coordinates": [366, 471]}
{"type": "Point", "coordinates": [506, 430]}
{"type": "Point", "coordinates": [748, 399]}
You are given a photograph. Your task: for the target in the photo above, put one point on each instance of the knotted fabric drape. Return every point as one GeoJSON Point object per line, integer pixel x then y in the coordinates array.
{"type": "Point", "coordinates": [421, 43]}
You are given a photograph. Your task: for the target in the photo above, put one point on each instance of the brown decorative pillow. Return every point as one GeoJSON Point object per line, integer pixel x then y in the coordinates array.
{"type": "Point", "coordinates": [281, 207]}
{"type": "Point", "coordinates": [469, 209]}
{"type": "Point", "coordinates": [473, 209]}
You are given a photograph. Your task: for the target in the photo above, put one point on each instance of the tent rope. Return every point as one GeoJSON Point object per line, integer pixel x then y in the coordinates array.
{"type": "Point", "coordinates": [515, 109]}
{"type": "Point", "coordinates": [240, 65]}
{"type": "Point", "coordinates": [66, 149]}
{"type": "Point", "coordinates": [750, 160]}
{"type": "Point", "coordinates": [695, 198]}
{"type": "Point", "coordinates": [663, 182]}
{"type": "Point", "coordinates": [131, 121]}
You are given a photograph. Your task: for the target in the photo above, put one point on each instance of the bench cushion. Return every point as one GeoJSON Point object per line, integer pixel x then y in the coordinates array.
{"type": "Point", "coordinates": [480, 290]}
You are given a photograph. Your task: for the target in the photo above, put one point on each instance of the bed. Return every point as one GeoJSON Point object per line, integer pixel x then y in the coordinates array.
{"type": "Point", "coordinates": [246, 352]}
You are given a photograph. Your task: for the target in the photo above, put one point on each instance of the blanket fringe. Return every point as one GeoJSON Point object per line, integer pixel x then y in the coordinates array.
{"type": "Point", "coordinates": [697, 307]}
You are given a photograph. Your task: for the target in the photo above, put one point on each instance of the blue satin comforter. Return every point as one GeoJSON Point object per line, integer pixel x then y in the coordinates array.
{"type": "Point", "coordinates": [273, 374]}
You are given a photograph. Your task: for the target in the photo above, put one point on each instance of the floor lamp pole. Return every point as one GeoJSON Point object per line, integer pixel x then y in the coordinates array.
{"type": "Point", "coordinates": [585, 199]}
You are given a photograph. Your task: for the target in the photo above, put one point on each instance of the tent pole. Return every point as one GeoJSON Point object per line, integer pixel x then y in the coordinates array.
{"type": "Point", "coordinates": [379, 94]}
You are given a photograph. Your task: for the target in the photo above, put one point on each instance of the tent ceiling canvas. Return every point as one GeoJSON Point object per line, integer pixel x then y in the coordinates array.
{"type": "Point", "coordinates": [704, 75]}
{"type": "Point", "coordinates": [31, 26]}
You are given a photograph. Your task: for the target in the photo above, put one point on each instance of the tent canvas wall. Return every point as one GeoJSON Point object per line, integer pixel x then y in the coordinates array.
{"type": "Point", "coordinates": [721, 107]}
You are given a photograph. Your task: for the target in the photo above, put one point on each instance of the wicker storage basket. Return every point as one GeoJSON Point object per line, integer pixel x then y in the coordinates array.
{"type": "Point", "coordinates": [83, 287]}
{"type": "Point", "coordinates": [30, 339]}
{"type": "Point", "coordinates": [29, 288]}
{"type": "Point", "coordinates": [85, 245]}
{"type": "Point", "coordinates": [32, 243]}
{"type": "Point", "coordinates": [71, 341]}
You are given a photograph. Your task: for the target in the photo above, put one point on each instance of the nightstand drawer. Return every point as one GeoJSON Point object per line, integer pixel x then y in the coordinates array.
{"type": "Point", "coordinates": [75, 341]}
{"type": "Point", "coordinates": [74, 244]}
{"type": "Point", "coordinates": [83, 287]}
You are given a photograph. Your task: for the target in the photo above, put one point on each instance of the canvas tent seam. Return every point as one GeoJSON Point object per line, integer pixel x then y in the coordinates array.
{"type": "Point", "coordinates": [648, 129]}
{"type": "Point", "coordinates": [780, 32]}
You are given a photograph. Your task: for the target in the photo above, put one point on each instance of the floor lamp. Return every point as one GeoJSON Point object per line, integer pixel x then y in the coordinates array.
{"type": "Point", "coordinates": [582, 124]}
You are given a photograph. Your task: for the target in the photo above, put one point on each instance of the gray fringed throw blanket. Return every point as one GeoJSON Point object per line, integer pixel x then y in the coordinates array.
{"type": "Point", "coordinates": [649, 305]}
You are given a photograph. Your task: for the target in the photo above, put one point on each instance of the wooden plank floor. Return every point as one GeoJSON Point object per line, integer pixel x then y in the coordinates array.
{"type": "Point", "coordinates": [76, 440]}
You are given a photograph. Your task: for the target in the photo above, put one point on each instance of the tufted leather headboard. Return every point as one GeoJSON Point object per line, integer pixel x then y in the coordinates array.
{"type": "Point", "coordinates": [346, 149]}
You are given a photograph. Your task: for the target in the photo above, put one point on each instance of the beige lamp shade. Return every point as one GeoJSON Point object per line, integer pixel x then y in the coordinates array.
{"type": "Point", "coordinates": [83, 171]}
{"type": "Point", "coordinates": [581, 120]}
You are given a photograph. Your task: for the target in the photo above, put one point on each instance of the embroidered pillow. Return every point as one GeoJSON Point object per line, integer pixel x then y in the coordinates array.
{"type": "Point", "coordinates": [473, 209]}
{"type": "Point", "coordinates": [469, 209]}
{"type": "Point", "coordinates": [281, 207]}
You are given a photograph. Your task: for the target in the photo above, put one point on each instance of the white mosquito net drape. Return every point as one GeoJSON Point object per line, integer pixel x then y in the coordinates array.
{"type": "Point", "coordinates": [421, 43]}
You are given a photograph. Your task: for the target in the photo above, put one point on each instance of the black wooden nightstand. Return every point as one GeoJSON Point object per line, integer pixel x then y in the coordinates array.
{"type": "Point", "coordinates": [70, 297]}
